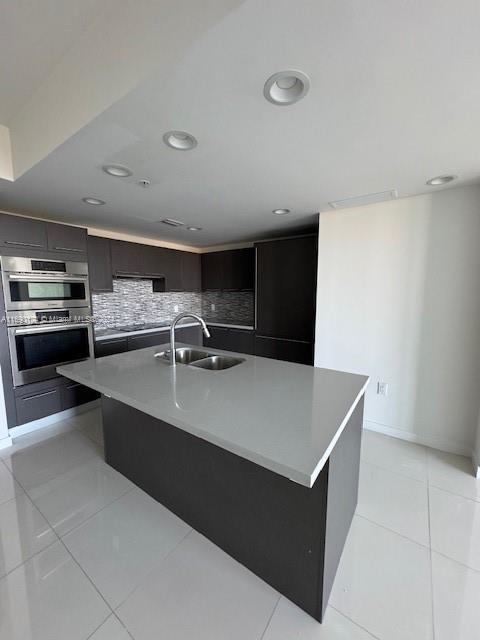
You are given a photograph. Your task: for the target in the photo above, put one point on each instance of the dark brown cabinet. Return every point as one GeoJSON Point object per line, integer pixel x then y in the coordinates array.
{"type": "Point", "coordinates": [110, 347]}
{"type": "Point", "coordinates": [99, 264]}
{"type": "Point", "coordinates": [147, 340]}
{"type": "Point", "coordinates": [154, 262]}
{"type": "Point", "coordinates": [191, 271]}
{"type": "Point", "coordinates": [285, 298]}
{"type": "Point", "coordinates": [239, 340]}
{"type": "Point", "coordinates": [127, 258]}
{"type": "Point", "coordinates": [73, 394]}
{"type": "Point", "coordinates": [65, 239]}
{"type": "Point", "coordinates": [228, 270]}
{"type": "Point", "coordinates": [41, 399]}
{"type": "Point", "coordinates": [22, 233]}
{"type": "Point", "coordinates": [174, 273]}
{"type": "Point", "coordinates": [286, 288]}
{"type": "Point", "coordinates": [212, 271]}
{"type": "Point", "coordinates": [281, 349]}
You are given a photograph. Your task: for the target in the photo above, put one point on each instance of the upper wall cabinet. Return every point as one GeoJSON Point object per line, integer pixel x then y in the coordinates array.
{"type": "Point", "coordinates": [228, 270]}
{"type": "Point", "coordinates": [22, 233]}
{"type": "Point", "coordinates": [99, 264]}
{"type": "Point", "coordinates": [127, 258]}
{"type": "Point", "coordinates": [286, 288]}
{"type": "Point", "coordinates": [179, 269]}
{"type": "Point", "coordinates": [191, 271]}
{"type": "Point", "coordinates": [66, 239]}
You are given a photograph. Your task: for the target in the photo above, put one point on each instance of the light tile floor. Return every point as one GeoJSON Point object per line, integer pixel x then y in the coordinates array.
{"type": "Point", "coordinates": [86, 554]}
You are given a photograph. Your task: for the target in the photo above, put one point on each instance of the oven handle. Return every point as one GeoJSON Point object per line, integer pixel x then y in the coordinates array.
{"type": "Point", "coordinates": [44, 278]}
{"type": "Point", "coordinates": [63, 327]}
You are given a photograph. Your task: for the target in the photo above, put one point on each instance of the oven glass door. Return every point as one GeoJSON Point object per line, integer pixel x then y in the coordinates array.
{"type": "Point", "coordinates": [41, 290]}
{"type": "Point", "coordinates": [52, 347]}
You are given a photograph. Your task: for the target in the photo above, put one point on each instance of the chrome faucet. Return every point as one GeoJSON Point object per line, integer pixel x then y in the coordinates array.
{"type": "Point", "coordinates": [201, 321]}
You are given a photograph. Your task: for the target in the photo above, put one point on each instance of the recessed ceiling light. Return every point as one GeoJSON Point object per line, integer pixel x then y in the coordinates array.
{"type": "Point", "coordinates": [92, 200]}
{"type": "Point", "coordinates": [281, 212]}
{"type": "Point", "coordinates": [435, 182]}
{"type": "Point", "coordinates": [172, 222]}
{"type": "Point", "coordinates": [286, 87]}
{"type": "Point", "coordinates": [180, 140]}
{"type": "Point", "coordinates": [117, 170]}
{"type": "Point", "coordinates": [194, 228]}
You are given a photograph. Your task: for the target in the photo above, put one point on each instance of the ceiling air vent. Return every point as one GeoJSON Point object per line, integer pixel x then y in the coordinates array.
{"type": "Point", "coordinates": [172, 223]}
{"type": "Point", "coordinates": [368, 198]}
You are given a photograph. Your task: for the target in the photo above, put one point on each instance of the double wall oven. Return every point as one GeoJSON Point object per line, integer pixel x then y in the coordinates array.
{"type": "Point", "coordinates": [48, 315]}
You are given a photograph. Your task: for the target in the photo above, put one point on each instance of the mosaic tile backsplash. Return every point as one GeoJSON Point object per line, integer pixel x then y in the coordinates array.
{"type": "Point", "coordinates": [134, 302]}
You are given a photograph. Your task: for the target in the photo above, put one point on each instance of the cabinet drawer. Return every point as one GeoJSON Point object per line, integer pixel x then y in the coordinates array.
{"type": "Point", "coordinates": [73, 393]}
{"type": "Point", "coordinates": [288, 350]}
{"type": "Point", "coordinates": [110, 347]}
{"type": "Point", "coordinates": [188, 335]}
{"type": "Point", "coordinates": [38, 405]}
{"type": "Point", "coordinates": [148, 340]}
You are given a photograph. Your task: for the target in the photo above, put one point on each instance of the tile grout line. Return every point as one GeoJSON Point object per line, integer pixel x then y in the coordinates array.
{"type": "Point", "coordinates": [396, 473]}
{"type": "Point", "coordinates": [153, 569]}
{"type": "Point", "coordinates": [359, 515]}
{"type": "Point", "coordinates": [430, 548]}
{"type": "Point", "coordinates": [452, 493]}
{"type": "Point", "coordinates": [67, 550]}
{"type": "Point", "coordinates": [353, 622]}
{"type": "Point", "coordinates": [270, 617]}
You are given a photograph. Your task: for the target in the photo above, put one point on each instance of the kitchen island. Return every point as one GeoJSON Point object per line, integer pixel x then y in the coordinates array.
{"type": "Point", "coordinates": [262, 458]}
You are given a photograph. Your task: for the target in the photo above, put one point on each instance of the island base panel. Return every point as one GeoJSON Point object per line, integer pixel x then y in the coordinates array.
{"type": "Point", "coordinates": [289, 535]}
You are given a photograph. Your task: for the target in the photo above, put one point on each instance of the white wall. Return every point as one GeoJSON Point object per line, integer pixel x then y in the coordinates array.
{"type": "Point", "coordinates": [399, 299]}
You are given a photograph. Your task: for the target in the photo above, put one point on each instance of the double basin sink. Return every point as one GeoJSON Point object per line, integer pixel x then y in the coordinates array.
{"type": "Point", "coordinates": [201, 359]}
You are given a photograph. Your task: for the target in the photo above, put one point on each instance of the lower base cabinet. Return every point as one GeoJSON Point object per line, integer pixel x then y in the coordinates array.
{"type": "Point", "coordinates": [288, 350]}
{"type": "Point", "coordinates": [41, 399]}
{"type": "Point", "coordinates": [238, 340]}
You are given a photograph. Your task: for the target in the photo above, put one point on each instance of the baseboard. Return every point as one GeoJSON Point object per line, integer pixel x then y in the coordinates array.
{"type": "Point", "coordinates": [476, 465]}
{"type": "Point", "coordinates": [34, 425]}
{"type": "Point", "coordinates": [442, 444]}
{"type": "Point", "coordinates": [6, 442]}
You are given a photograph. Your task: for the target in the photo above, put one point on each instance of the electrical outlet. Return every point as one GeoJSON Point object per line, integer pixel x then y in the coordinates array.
{"type": "Point", "coordinates": [382, 388]}
{"type": "Point", "coordinates": [212, 307]}
{"type": "Point", "coordinates": [175, 308]}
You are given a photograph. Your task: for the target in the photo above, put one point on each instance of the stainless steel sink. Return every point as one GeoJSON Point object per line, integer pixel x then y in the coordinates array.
{"type": "Point", "coordinates": [218, 363]}
{"type": "Point", "coordinates": [184, 355]}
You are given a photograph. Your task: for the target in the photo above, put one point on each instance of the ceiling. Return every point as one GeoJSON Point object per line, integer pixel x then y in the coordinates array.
{"type": "Point", "coordinates": [33, 37]}
{"type": "Point", "coordinates": [393, 101]}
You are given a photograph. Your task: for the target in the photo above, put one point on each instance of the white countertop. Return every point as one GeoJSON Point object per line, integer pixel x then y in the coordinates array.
{"type": "Point", "coordinates": [285, 417]}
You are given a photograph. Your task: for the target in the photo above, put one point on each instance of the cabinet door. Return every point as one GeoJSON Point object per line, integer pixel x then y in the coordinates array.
{"type": "Point", "coordinates": [286, 288]}
{"type": "Point", "coordinates": [238, 269]}
{"type": "Point", "coordinates": [191, 271]}
{"type": "Point", "coordinates": [174, 273]}
{"type": "Point", "coordinates": [288, 350]}
{"type": "Point", "coordinates": [99, 264]}
{"type": "Point", "coordinates": [127, 258]}
{"type": "Point", "coordinates": [147, 340]}
{"type": "Point", "coordinates": [22, 232]}
{"type": "Point", "coordinates": [73, 394]}
{"type": "Point", "coordinates": [156, 262]}
{"type": "Point", "coordinates": [66, 239]}
{"type": "Point", "coordinates": [212, 266]}
{"type": "Point", "coordinates": [241, 340]}
{"type": "Point", "coordinates": [218, 338]}
{"type": "Point", "coordinates": [110, 347]}
{"type": "Point", "coordinates": [189, 335]}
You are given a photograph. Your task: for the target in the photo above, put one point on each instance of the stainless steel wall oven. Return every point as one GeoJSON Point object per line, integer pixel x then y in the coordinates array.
{"type": "Point", "coordinates": [48, 316]}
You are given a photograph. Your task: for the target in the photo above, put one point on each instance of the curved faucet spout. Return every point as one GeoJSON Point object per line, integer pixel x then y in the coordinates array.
{"type": "Point", "coordinates": [181, 316]}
